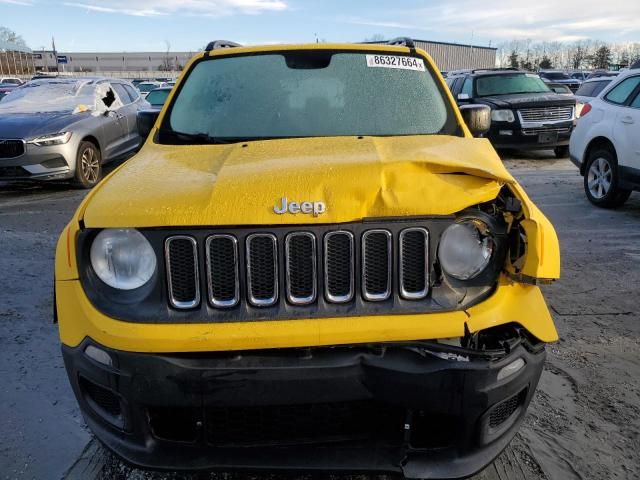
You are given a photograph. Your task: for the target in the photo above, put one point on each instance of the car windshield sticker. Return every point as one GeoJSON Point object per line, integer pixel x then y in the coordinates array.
{"type": "Point", "coordinates": [395, 61]}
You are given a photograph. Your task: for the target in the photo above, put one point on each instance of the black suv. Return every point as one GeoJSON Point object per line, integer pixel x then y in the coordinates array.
{"type": "Point", "coordinates": [525, 113]}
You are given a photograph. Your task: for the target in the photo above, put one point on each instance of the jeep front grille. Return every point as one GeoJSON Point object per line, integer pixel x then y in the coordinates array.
{"type": "Point", "coordinates": [546, 114]}
{"type": "Point", "coordinates": [308, 269]}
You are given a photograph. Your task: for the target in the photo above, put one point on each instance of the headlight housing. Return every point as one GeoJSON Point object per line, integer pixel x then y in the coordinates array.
{"type": "Point", "coordinates": [122, 258]}
{"type": "Point", "coordinates": [466, 249]}
{"type": "Point", "coordinates": [51, 139]}
{"type": "Point", "coordinates": [503, 116]}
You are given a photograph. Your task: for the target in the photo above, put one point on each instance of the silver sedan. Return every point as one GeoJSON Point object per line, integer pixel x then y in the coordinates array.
{"type": "Point", "coordinates": [66, 129]}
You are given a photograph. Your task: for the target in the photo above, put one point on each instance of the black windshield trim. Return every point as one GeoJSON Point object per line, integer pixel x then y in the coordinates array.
{"type": "Point", "coordinates": [451, 126]}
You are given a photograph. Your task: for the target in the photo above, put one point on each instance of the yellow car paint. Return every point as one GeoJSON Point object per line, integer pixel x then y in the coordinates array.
{"type": "Point", "coordinates": [512, 302]}
{"type": "Point", "coordinates": [358, 178]}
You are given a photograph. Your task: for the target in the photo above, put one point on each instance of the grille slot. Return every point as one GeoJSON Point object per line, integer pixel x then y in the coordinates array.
{"type": "Point", "coordinates": [11, 148]}
{"type": "Point", "coordinates": [101, 396]}
{"type": "Point", "coordinates": [338, 266]}
{"type": "Point", "coordinates": [376, 265]}
{"type": "Point", "coordinates": [262, 269]}
{"type": "Point", "coordinates": [222, 270]}
{"type": "Point", "coordinates": [414, 263]}
{"type": "Point", "coordinates": [181, 254]}
{"type": "Point", "coordinates": [300, 250]}
{"type": "Point", "coordinates": [546, 114]}
{"type": "Point", "coordinates": [503, 410]}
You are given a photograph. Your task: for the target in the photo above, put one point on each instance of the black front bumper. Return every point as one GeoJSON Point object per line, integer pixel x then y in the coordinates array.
{"type": "Point", "coordinates": [421, 409]}
{"type": "Point", "coordinates": [512, 135]}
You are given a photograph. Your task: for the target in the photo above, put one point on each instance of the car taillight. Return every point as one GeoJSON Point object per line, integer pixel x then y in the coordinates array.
{"type": "Point", "coordinates": [586, 108]}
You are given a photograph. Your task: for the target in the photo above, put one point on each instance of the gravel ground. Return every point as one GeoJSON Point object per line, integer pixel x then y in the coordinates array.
{"type": "Point", "coordinates": [584, 422]}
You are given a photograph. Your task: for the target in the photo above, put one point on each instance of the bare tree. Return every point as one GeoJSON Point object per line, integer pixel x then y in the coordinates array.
{"type": "Point", "coordinates": [167, 60]}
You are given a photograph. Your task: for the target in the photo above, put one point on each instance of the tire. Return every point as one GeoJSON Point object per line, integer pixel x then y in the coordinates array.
{"type": "Point", "coordinates": [88, 166]}
{"type": "Point", "coordinates": [561, 152]}
{"type": "Point", "coordinates": [601, 180]}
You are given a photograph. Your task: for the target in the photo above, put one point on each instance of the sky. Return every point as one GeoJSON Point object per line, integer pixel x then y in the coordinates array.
{"type": "Point", "coordinates": [188, 25]}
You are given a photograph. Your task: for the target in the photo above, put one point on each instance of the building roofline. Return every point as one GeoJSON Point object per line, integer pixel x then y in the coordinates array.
{"type": "Point", "coordinates": [455, 44]}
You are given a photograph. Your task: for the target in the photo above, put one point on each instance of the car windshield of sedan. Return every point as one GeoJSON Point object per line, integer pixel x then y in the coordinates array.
{"type": "Point", "coordinates": [503, 84]}
{"type": "Point", "coordinates": [307, 94]}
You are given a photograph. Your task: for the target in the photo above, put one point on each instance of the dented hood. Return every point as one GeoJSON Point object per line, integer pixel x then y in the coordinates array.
{"type": "Point", "coordinates": [239, 184]}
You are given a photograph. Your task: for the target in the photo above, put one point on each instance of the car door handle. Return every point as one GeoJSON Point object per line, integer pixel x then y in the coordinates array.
{"type": "Point", "coordinates": [627, 119]}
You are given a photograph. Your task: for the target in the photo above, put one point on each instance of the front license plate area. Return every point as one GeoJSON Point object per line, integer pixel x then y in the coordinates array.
{"type": "Point", "coordinates": [547, 137]}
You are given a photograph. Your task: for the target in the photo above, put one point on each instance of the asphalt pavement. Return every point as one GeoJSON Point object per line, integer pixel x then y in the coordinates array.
{"type": "Point", "coordinates": [584, 422]}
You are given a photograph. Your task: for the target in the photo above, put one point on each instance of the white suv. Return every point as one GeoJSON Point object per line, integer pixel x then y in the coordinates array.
{"type": "Point", "coordinates": [605, 145]}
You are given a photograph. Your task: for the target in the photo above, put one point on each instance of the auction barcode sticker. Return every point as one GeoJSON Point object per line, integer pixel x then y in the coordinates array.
{"type": "Point", "coordinates": [395, 61]}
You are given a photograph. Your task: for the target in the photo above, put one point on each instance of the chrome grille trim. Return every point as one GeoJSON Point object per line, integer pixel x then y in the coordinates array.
{"type": "Point", "coordinates": [262, 302]}
{"type": "Point", "coordinates": [419, 295]}
{"type": "Point", "coordinates": [290, 297]}
{"type": "Point", "coordinates": [546, 114]}
{"type": "Point", "coordinates": [212, 299]}
{"type": "Point", "coordinates": [536, 131]}
{"type": "Point", "coordinates": [376, 297]}
{"type": "Point", "coordinates": [174, 302]}
{"type": "Point", "coordinates": [339, 298]}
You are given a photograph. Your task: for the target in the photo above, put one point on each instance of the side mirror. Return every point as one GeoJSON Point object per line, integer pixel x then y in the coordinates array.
{"type": "Point", "coordinates": [477, 118]}
{"type": "Point", "coordinates": [464, 97]}
{"type": "Point", "coordinates": [146, 119]}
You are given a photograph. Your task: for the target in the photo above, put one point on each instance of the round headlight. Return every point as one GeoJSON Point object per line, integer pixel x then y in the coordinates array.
{"type": "Point", "coordinates": [123, 258]}
{"type": "Point", "coordinates": [466, 249]}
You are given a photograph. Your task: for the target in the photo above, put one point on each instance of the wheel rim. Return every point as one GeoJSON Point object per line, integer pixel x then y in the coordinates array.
{"type": "Point", "coordinates": [90, 165]}
{"type": "Point", "coordinates": [599, 178]}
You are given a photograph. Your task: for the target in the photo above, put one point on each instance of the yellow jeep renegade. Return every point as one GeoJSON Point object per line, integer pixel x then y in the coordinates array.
{"type": "Point", "coordinates": [311, 264]}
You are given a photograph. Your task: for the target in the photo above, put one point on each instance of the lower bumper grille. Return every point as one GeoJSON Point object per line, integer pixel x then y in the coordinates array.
{"type": "Point", "coordinates": [503, 411]}
{"type": "Point", "coordinates": [537, 131]}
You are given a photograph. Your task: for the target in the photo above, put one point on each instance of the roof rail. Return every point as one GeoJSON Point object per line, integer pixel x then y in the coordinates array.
{"type": "Point", "coordinates": [496, 69]}
{"type": "Point", "coordinates": [221, 44]}
{"type": "Point", "coordinates": [406, 41]}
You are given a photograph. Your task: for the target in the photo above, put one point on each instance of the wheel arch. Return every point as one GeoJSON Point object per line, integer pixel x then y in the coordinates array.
{"type": "Point", "coordinates": [94, 140]}
{"type": "Point", "coordinates": [594, 144]}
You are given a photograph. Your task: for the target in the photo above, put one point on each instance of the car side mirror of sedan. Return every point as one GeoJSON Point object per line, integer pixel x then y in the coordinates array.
{"type": "Point", "coordinates": [146, 119]}
{"type": "Point", "coordinates": [477, 118]}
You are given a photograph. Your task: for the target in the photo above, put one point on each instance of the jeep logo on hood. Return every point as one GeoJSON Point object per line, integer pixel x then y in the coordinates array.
{"type": "Point", "coordinates": [315, 208]}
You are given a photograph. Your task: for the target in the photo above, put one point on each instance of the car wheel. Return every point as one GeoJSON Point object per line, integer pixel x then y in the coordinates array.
{"type": "Point", "coordinates": [601, 180]}
{"type": "Point", "coordinates": [561, 152]}
{"type": "Point", "coordinates": [88, 167]}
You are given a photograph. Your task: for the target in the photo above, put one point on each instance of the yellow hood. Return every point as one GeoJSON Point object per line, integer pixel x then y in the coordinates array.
{"type": "Point", "coordinates": [239, 184]}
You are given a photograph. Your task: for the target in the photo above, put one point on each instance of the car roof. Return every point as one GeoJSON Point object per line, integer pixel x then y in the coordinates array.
{"type": "Point", "coordinates": [161, 89]}
{"type": "Point", "coordinates": [483, 71]}
{"type": "Point", "coordinates": [598, 79]}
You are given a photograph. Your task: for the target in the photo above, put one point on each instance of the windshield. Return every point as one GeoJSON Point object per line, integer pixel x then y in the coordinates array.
{"type": "Point", "coordinates": [307, 94]}
{"type": "Point", "coordinates": [157, 97]}
{"type": "Point", "coordinates": [49, 96]}
{"type": "Point", "coordinates": [508, 84]}
{"type": "Point", "coordinates": [146, 87]}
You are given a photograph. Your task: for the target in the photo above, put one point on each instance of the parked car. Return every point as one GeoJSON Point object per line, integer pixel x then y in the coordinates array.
{"type": "Point", "coordinates": [5, 81]}
{"type": "Point", "coordinates": [560, 89]}
{"type": "Point", "coordinates": [605, 145]}
{"type": "Point", "coordinates": [66, 129]}
{"type": "Point", "coordinates": [555, 76]}
{"type": "Point", "coordinates": [602, 73]}
{"type": "Point", "coordinates": [525, 113]}
{"type": "Point", "coordinates": [319, 270]}
{"type": "Point", "coordinates": [145, 87]}
{"type": "Point", "coordinates": [590, 88]}
{"type": "Point", "coordinates": [138, 81]}
{"type": "Point", "coordinates": [7, 88]}
{"type": "Point", "coordinates": [581, 75]}
{"type": "Point", "coordinates": [158, 96]}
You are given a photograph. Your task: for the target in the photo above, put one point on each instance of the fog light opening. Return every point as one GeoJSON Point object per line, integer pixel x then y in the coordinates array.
{"type": "Point", "coordinates": [511, 369]}
{"type": "Point", "coordinates": [506, 132]}
{"type": "Point", "coordinates": [98, 355]}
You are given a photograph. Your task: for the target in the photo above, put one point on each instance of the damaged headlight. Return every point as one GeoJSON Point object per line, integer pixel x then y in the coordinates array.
{"type": "Point", "coordinates": [466, 248]}
{"type": "Point", "coordinates": [52, 139]}
{"type": "Point", "coordinates": [123, 258]}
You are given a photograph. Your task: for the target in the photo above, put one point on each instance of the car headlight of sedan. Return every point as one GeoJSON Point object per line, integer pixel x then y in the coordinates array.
{"type": "Point", "coordinates": [122, 258]}
{"type": "Point", "coordinates": [466, 249]}
{"type": "Point", "coordinates": [51, 139]}
{"type": "Point", "coordinates": [503, 116]}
